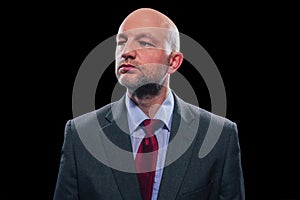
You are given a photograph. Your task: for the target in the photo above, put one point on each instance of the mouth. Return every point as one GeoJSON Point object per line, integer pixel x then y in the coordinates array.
{"type": "Point", "coordinates": [124, 68]}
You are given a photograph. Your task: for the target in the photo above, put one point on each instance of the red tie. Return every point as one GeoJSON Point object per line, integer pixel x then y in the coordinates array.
{"type": "Point", "coordinates": [146, 158]}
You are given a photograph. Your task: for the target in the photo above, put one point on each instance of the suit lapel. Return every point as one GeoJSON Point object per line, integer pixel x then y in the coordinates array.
{"type": "Point", "coordinates": [184, 124]}
{"type": "Point", "coordinates": [117, 132]}
{"type": "Point", "coordinates": [184, 129]}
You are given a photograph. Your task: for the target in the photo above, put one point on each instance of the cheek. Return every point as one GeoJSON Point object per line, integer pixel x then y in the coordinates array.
{"type": "Point", "coordinates": [155, 56]}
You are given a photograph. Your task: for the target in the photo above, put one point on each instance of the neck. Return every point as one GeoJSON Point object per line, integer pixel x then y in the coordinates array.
{"type": "Point", "coordinates": [148, 100]}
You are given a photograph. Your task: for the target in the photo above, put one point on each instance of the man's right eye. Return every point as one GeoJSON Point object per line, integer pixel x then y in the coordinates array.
{"type": "Point", "coordinates": [121, 43]}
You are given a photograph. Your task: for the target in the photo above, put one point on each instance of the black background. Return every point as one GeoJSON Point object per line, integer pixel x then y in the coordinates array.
{"type": "Point", "coordinates": [253, 46]}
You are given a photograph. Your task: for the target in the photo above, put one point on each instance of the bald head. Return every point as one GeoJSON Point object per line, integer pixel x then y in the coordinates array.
{"type": "Point", "coordinates": [147, 18]}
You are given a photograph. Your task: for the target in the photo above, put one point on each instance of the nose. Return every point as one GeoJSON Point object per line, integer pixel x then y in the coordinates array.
{"type": "Point", "coordinates": [129, 54]}
{"type": "Point", "coordinates": [129, 50]}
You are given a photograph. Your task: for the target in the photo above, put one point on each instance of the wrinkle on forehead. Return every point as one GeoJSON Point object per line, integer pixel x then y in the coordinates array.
{"type": "Point", "coordinates": [150, 32]}
{"type": "Point", "coordinates": [159, 37]}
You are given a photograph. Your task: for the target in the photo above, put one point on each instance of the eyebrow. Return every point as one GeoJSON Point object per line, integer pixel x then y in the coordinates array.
{"type": "Point", "coordinates": [139, 36]}
{"type": "Point", "coordinates": [146, 35]}
{"type": "Point", "coordinates": [121, 35]}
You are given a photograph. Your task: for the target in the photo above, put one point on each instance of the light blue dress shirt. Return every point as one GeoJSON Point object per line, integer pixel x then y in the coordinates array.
{"type": "Point", "coordinates": [135, 117]}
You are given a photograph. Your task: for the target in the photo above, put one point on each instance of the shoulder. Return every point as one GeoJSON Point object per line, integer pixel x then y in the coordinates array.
{"type": "Point", "coordinates": [206, 116]}
{"type": "Point", "coordinates": [92, 118]}
{"type": "Point", "coordinates": [98, 115]}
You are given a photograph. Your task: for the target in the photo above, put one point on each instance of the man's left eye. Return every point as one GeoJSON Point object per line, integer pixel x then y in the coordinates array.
{"type": "Point", "coordinates": [146, 44]}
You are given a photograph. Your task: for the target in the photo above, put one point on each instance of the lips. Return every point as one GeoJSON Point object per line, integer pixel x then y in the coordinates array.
{"type": "Point", "coordinates": [124, 68]}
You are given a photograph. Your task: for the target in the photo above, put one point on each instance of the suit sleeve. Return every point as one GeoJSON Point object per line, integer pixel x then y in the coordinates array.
{"type": "Point", "coordinates": [232, 185]}
{"type": "Point", "coordinates": [66, 185]}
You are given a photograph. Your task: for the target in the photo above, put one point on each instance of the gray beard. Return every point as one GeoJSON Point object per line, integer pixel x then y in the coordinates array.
{"type": "Point", "coordinates": [145, 87]}
{"type": "Point", "coordinates": [147, 90]}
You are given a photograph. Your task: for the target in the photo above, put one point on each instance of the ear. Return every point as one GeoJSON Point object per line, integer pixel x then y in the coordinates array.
{"type": "Point", "coordinates": [175, 61]}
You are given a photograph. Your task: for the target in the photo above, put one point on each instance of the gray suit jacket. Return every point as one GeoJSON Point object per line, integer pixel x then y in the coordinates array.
{"type": "Point", "coordinates": [203, 158]}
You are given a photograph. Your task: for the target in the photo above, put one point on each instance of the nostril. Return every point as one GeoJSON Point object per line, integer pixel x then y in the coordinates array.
{"type": "Point", "coordinates": [129, 54]}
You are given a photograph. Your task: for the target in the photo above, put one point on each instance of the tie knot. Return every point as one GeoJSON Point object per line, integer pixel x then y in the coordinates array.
{"type": "Point", "coordinates": [151, 125]}
{"type": "Point", "coordinates": [150, 122]}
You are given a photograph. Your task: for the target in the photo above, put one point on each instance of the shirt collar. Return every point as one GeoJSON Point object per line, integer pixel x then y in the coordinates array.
{"type": "Point", "coordinates": [136, 116]}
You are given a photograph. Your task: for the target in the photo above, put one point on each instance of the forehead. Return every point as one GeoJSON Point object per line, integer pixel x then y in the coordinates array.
{"type": "Point", "coordinates": [147, 32]}
{"type": "Point", "coordinates": [143, 20]}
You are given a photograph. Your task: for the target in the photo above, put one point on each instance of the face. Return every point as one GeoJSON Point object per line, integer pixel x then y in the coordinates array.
{"type": "Point", "coordinates": [142, 56]}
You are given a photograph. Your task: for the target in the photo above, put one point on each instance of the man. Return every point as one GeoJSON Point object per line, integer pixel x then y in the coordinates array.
{"type": "Point", "coordinates": [164, 161]}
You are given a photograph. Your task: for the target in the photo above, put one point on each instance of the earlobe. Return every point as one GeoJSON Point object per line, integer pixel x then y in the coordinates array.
{"type": "Point", "coordinates": [175, 62]}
